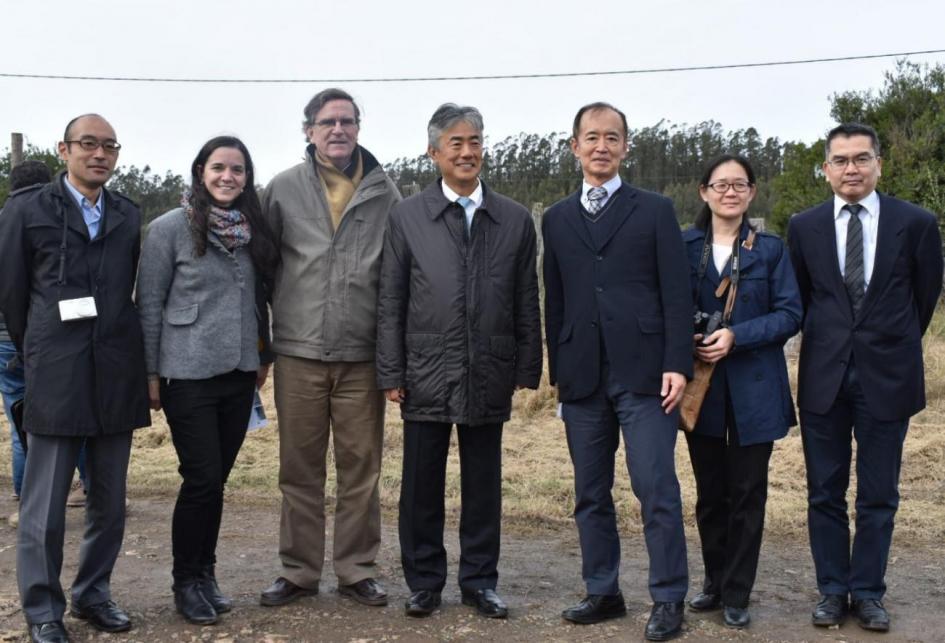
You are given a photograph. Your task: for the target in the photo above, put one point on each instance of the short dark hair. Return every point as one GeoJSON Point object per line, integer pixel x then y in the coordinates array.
{"type": "Point", "coordinates": [320, 99]}
{"type": "Point", "coordinates": [29, 173]}
{"type": "Point", "coordinates": [66, 134]}
{"type": "Point", "coordinates": [596, 107]}
{"type": "Point", "coordinates": [705, 214]}
{"type": "Point", "coordinates": [852, 129]}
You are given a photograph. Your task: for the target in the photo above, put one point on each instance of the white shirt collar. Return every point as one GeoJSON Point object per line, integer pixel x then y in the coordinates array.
{"type": "Point", "coordinates": [870, 205]}
{"type": "Point", "coordinates": [476, 195]}
{"type": "Point", "coordinates": [611, 185]}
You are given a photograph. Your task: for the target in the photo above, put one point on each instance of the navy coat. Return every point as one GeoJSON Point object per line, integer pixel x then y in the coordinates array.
{"type": "Point", "coordinates": [885, 338]}
{"type": "Point", "coordinates": [84, 377]}
{"type": "Point", "coordinates": [766, 313]}
{"type": "Point", "coordinates": [628, 293]}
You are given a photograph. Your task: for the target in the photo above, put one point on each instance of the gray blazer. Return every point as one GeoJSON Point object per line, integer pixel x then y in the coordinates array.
{"type": "Point", "coordinates": [199, 314]}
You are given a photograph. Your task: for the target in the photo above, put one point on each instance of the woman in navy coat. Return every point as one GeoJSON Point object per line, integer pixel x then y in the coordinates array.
{"type": "Point", "coordinates": [748, 404]}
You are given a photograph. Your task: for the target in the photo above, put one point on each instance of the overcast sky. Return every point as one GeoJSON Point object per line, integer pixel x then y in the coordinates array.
{"type": "Point", "coordinates": [164, 124]}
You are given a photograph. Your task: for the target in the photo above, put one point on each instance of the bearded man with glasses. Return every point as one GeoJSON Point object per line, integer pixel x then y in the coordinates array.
{"type": "Point", "coordinates": [869, 268]}
{"type": "Point", "coordinates": [328, 214]}
{"type": "Point", "coordinates": [69, 253]}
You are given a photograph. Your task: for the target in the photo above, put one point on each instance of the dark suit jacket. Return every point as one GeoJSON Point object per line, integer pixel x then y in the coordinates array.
{"type": "Point", "coordinates": [885, 338]}
{"type": "Point", "coordinates": [631, 293]}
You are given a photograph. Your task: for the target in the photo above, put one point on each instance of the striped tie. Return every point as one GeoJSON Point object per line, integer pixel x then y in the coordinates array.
{"type": "Point", "coordinates": [854, 275]}
{"type": "Point", "coordinates": [595, 201]}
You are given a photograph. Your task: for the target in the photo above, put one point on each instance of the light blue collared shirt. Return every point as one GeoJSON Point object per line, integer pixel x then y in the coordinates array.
{"type": "Point", "coordinates": [91, 213]}
{"type": "Point", "coordinates": [612, 185]}
{"type": "Point", "coordinates": [869, 216]}
{"type": "Point", "coordinates": [475, 198]}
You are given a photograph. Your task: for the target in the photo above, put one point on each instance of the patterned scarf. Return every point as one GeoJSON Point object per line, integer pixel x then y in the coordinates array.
{"type": "Point", "coordinates": [230, 226]}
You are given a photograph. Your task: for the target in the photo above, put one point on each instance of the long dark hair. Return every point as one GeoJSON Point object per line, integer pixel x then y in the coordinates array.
{"type": "Point", "coordinates": [262, 245]}
{"type": "Point", "coordinates": [705, 214]}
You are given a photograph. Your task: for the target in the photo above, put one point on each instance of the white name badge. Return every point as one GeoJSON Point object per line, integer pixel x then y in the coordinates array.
{"type": "Point", "coordinates": [81, 308]}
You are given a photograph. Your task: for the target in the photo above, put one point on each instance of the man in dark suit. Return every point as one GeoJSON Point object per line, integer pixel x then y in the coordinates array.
{"type": "Point", "coordinates": [869, 268]}
{"type": "Point", "coordinates": [619, 333]}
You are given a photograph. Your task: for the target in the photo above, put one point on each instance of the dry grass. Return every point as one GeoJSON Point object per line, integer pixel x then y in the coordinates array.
{"type": "Point", "coordinates": [538, 481]}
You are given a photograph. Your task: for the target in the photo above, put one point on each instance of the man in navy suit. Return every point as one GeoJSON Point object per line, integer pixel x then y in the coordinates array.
{"type": "Point", "coordinates": [619, 333]}
{"type": "Point", "coordinates": [869, 267]}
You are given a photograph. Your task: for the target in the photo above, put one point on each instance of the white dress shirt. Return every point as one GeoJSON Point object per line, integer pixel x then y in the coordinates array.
{"type": "Point", "coordinates": [869, 217]}
{"type": "Point", "coordinates": [475, 197]}
{"type": "Point", "coordinates": [611, 186]}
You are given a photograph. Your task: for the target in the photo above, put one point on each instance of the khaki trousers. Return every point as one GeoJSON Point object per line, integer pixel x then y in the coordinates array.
{"type": "Point", "coordinates": [313, 399]}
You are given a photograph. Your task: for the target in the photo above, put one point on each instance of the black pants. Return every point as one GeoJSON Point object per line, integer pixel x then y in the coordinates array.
{"type": "Point", "coordinates": [732, 489]}
{"type": "Point", "coordinates": [426, 446]}
{"type": "Point", "coordinates": [208, 421]}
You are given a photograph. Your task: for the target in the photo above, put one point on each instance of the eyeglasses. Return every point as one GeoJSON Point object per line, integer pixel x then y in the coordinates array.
{"type": "Point", "coordinates": [860, 161]}
{"type": "Point", "coordinates": [722, 186]}
{"type": "Point", "coordinates": [328, 123]}
{"type": "Point", "coordinates": [92, 144]}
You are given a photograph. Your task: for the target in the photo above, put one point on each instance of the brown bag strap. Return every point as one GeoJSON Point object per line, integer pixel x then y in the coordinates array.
{"type": "Point", "coordinates": [732, 283]}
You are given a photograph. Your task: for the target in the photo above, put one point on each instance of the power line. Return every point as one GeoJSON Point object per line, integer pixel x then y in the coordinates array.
{"type": "Point", "coordinates": [426, 79]}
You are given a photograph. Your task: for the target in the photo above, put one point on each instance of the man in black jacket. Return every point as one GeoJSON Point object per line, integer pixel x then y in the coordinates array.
{"type": "Point", "coordinates": [69, 253]}
{"type": "Point", "coordinates": [458, 331]}
{"type": "Point", "coordinates": [619, 333]}
{"type": "Point", "coordinates": [869, 267]}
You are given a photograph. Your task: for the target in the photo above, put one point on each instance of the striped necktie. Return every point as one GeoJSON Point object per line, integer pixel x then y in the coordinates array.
{"type": "Point", "coordinates": [595, 201]}
{"type": "Point", "coordinates": [854, 274]}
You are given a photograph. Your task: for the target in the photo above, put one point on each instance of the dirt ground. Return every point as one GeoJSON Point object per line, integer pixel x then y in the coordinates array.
{"type": "Point", "coordinates": [539, 576]}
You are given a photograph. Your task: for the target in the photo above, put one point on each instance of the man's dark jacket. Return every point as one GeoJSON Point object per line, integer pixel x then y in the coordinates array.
{"type": "Point", "coordinates": [629, 293]}
{"type": "Point", "coordinates": [83, 377]}
{"type": "Point", "coordinates": [458, 323]}
{"type": "Point", "coordinates": [885, 338]}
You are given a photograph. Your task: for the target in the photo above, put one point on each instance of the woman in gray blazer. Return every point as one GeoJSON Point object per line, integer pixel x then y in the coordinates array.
{"type": "Point", "coordinates": [201, 295]}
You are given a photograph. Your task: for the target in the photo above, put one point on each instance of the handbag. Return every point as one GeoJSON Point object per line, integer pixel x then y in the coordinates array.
{"type": "Point", "coordinates": [698, 386]}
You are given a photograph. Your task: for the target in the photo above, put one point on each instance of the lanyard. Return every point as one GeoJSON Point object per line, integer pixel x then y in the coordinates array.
{"type": "Point", "coordinates": [707, 250]}
{"type": "Point", "coordinates": [63, 247]}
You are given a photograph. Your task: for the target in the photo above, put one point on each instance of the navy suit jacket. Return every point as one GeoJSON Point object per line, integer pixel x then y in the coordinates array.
{"type": "Point", "coordinates": [630, 293]}
{"type": "Point", "coordinates": [885, 337]}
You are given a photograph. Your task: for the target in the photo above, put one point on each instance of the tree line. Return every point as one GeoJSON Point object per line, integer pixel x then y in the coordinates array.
{"type": "Point", "coordinates": [908, 112]}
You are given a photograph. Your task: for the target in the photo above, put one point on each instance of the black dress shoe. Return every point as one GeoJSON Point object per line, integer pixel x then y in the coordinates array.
{"type": "Point", "coordinates": [736, 616]}
{"type": "Point", "coordinates": [422, 603]}
{"type": "Point", "coordinates": [106, 616]}
{"type": "Point", "coordinates": [192, 604]}
{"type": "Point", "coordinates": [211, 591]}
{"type": "Point", "coordinates": [486, 602]}
{"type": "Point", "coordinates": [871, 615]}
{"type": "Point", "coordinates": [831, 610]}
{"type": "Point", "coordinates": [665, 621]}
{"type": "Point", "coordinates": [367, 591]}
{"type": "Point", "coordinates": [283, 591]}
{"type": "Point", "coordinates": [51, 632]}
{"type": "Point", "coordinates": [704, 602]}
{"type": "Point", "coordinates": [596, 608]}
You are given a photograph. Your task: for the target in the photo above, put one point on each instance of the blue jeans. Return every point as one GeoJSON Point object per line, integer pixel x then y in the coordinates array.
{"type": "Point", "coordinates": [12, 387]}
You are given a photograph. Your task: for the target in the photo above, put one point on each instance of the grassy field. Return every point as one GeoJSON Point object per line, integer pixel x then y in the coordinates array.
{"type": "Point", "coordinates": [538, 481]}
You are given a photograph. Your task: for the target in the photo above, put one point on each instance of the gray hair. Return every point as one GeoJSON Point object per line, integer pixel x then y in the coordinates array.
{"type": "Point", "coordinates": [322, 98]}
{"type": "Point", "coordinates": [446, 116]}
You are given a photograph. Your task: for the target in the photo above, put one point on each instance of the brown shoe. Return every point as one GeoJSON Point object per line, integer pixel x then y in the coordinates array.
{"type": "Point", "coordinates": [283, 591]}
{"type": "Point", "coordinates": [367, 592]}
